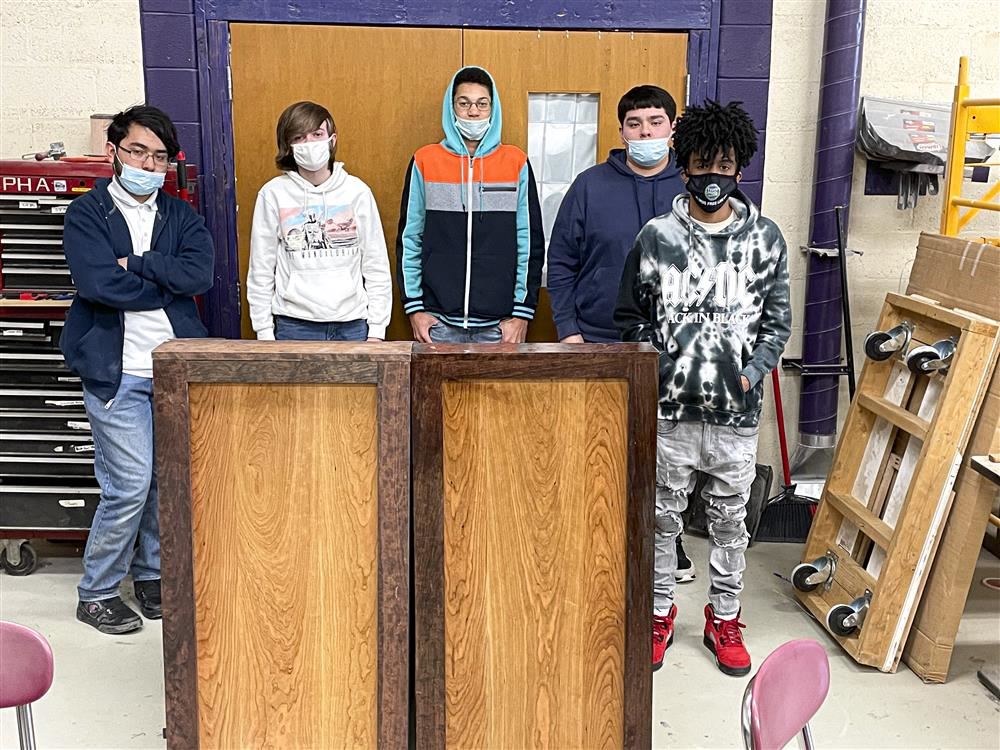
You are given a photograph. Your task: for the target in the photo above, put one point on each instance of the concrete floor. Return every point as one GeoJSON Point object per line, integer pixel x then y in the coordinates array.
{"type": "Point", "coordinates": [108, 691]}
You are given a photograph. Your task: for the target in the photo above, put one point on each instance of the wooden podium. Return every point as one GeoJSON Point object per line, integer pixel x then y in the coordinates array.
{"type": "Point", "coordinates": [533, 500]}
{"type": "Point", "coordinates": [285, 508]}
{"type": "Point", "coordinates": [284, 491]}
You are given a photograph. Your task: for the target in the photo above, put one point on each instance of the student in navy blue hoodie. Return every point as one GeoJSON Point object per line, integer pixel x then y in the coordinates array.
{"type": "Point", "coordinates": [602, 213]}
{"type": "Point", "coordinates": [597, 223]}
{"type": "Point", "coordinates": [138, 258]}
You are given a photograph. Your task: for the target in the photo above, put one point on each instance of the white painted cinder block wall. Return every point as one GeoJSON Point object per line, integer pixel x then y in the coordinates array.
{"type": "Point", "coordinates": [62, 60]}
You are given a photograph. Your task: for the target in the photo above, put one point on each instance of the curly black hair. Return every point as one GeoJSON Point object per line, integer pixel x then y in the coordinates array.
{"type": "Point", "coordinates": [713, 127]}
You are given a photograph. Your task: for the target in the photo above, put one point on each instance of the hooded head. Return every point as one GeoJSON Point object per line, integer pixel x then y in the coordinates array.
{"type": "Point", "coordinates": [453, 140]}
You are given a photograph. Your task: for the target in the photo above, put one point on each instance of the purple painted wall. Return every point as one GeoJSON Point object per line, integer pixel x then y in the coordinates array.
{"type": "Point", "coordinates": [729, 57]}
{"type": "Point", "coordinates": [170, 60]}
{"type": "Point", "coordinates": [744, 72]}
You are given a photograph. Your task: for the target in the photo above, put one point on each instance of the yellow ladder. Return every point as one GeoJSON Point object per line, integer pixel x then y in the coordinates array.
{"type": "Point", "coordinates": [981, 116]}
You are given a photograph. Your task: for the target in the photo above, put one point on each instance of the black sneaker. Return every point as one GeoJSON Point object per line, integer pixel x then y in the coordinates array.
{"type": "Point", "coordinates": [111, 616]}
{"type": "Point", "coordinates": [147, 593]}
{"type": "Point", "coordinates": [685, 568]}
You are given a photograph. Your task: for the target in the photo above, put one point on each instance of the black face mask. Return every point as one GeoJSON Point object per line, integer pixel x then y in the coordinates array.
{"type": "Point", "coordinates": [711, 191]}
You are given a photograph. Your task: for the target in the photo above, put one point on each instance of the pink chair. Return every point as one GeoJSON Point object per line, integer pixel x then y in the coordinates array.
{"type": "Point", "coordinates": [784, 695]}
{"type": "Point", "coordinates": [25, 675]}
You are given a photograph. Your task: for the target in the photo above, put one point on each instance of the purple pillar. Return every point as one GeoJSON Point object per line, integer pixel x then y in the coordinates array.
{"type": "Point", "coordinates": [839, 98]}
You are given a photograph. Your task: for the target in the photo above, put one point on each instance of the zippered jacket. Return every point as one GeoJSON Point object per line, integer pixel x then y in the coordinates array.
{"type": "Point", "coordinates": [470, 246]}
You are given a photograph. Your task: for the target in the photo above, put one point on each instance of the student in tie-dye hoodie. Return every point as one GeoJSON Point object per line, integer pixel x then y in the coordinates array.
{"type": "Point", "coordinates": [707, 285]}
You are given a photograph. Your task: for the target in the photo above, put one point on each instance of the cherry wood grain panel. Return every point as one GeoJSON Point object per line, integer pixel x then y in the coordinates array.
{"type": "Point", "coordinates": [284, 535]}
{"type": "Point", "coordinates": [534, 562]}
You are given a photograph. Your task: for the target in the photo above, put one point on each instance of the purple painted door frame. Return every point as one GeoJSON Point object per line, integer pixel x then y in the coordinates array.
{"type": "Point", "coordinates": [186, 59]}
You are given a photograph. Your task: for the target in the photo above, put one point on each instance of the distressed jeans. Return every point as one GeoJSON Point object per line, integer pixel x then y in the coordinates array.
{"type": "Point", "coordinates": [728, 456]}
{"type": "Point", "coordinates": [124, 462]}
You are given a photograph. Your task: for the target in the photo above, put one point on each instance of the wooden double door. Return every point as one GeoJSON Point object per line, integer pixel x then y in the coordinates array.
{"type": "Point", "coordinates": [384, 88]}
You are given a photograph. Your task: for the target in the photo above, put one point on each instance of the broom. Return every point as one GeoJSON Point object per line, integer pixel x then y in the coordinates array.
{"type": "Point", "coordinates": [787, 516]}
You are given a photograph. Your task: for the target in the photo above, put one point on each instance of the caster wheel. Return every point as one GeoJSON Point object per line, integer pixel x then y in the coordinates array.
{"type": "Point", "coordinates": [27, 564]}
{"type": "Point", "coordinates": [918, 358]}
{"type": "Point", "coordinates": [873, 345]}
{"type": "Point", "coordinates": [835, 620]}
{"type": "Point", "coordinates": [799, 576]}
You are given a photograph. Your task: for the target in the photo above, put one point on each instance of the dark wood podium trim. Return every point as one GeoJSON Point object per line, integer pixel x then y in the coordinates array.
{"type": "Point", "coordinates": [432, 365]}
{"type": "Point", "coordinates": [176, 365]}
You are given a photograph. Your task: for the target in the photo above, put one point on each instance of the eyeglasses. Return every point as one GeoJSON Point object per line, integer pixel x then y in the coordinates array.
{"type": "Point", "coordinates": [140, 155]}
{"type": "Point", "coordinates": [464, 105]}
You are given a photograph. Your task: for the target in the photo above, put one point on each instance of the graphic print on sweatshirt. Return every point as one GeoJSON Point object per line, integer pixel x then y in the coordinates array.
{"type": "Point", "coordinates": [708, 312]}
{"type": "Point", "coordinates": [320, 230]}
{"type": "Point", "coordinates": [715, 305]}
{"type": "Point", "coordinates": [704, 293]}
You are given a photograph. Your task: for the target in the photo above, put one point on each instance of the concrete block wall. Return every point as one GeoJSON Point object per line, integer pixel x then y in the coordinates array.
{"type": "Point", "coordinates": [170, 52]}
{"type": "Point", "coordinates": [60, 62]}
{"type": "Point", "coordinates": [744, 64]}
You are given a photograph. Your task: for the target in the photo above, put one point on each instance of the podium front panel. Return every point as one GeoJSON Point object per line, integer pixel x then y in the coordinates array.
{"type": "Point", "coordinates": [534, 470]}
{"type": "Point", "coordinates": [283, 480]}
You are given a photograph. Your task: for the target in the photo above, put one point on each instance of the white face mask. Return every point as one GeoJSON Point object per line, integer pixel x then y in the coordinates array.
{"type": "Point", "coordinates": [312, 156]}
{"type": "Point", "coordinates": [474, 130]}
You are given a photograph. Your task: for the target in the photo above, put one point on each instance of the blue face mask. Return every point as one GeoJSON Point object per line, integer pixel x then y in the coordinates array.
{"type": "Point", "coordinates": [474, 130]}
{"type": "Point", "coordinates": [648, 152]}
{"type": "Point", "coordinates": [139, 181]}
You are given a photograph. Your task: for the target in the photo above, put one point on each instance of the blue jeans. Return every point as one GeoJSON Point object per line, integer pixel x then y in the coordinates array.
{"type": "Point", "coordinates": [442, 333]}
{"type": "Point", "coordinates": [124, 463]}
{"type": "Point", "coordinates": [293, 329]}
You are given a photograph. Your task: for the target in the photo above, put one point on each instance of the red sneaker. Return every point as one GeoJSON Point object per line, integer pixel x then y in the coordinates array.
{"type": "Point", "coordinates": [663, 635]}
{"type": "Point", "coordinates": [724, 639]}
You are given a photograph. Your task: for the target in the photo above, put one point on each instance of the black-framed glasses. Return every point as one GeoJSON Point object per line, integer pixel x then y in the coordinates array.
{"type": "Point", "coordinates": [464, 105]}
{"type": "Point", "coordinates": [140, 155]}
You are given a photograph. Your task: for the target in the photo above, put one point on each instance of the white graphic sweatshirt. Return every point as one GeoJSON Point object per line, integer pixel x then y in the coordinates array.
{"type": "Point", "coordinates": [317, 253]}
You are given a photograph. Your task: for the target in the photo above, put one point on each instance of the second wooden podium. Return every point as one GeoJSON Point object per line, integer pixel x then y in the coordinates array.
{"type": "Point", "coordinates": [533, 497]}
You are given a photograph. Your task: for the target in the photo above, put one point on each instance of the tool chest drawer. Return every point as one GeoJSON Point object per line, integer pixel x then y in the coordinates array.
{"type": "Point", "coordinates": [57, 507]}
{"type": "Point", "coordinates": [75, 422]}
{"type": "Point", "coordinates": [46, 443]}
{"type": "Point", "coordinates": [43, 399]}
{"type": "Point", "coordinates": [59, 465]}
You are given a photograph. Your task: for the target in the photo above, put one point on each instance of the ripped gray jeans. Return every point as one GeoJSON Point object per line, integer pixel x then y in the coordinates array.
{"type": "Point", "coordinates": [728, 456]}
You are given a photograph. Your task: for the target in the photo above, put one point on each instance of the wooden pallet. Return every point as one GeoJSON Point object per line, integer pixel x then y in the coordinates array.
{"type": "Point", "coordinates": [889, 490]}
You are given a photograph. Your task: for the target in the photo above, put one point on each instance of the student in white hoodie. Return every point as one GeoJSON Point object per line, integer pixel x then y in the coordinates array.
{"type": "Point", "coordinates": [319, 269]}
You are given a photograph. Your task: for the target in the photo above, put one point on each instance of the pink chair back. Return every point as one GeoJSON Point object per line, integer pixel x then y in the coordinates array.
{"type": "Point", "coordinates": [26, 659]}
{"type": "Point", "coordinates": [785, 694]}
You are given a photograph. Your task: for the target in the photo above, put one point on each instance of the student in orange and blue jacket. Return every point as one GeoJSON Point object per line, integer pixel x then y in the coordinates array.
{"type": "Point", "coordinates": [470, 247]}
